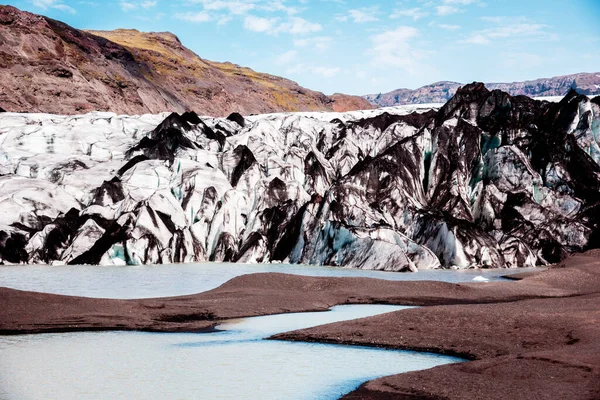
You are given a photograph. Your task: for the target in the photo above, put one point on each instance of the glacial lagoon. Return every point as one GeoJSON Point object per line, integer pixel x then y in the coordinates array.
{"type": "Point", "coordinates": [236, 362]}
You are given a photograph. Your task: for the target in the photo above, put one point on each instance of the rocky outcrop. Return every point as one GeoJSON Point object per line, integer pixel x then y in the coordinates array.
{"type": "Point", "coordinates": [48, 66]}
{"type": "Point", "coordinates": [441, 92]}
{"type": "Point", "coordinates": [344, 102]}
{"type": "Point", "coordinates": [487, 180]}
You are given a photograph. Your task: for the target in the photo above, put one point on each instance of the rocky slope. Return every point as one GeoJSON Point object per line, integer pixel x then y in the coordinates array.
{"type": "Point", "coordinates": [488, 180]}
{"type": "Point", "coordinates": [48, 66]}
{"type": "Point", "coordinates": [441, 92]}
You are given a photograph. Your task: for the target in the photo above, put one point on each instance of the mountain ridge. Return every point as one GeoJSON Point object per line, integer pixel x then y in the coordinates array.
{"type": "Point", "coordinates": [441, 92]}
{"type": "Point", "coordinates": [49, 66]}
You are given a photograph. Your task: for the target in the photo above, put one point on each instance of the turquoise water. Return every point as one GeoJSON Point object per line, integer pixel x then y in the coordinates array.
{"type": "Point", "coordinates": [233, 363]}
{"type": "Point", "coordinates": [173, 280]}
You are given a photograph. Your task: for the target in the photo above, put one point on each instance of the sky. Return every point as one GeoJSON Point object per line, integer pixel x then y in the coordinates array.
{"type": "Point", "coordinates": [364, 47]}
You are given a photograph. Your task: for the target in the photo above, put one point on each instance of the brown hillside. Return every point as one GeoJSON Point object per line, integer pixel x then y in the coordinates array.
{"type": "Point", "coordinates": [344, 102]}
{"type": "Point", "coordinates": [48, 66]}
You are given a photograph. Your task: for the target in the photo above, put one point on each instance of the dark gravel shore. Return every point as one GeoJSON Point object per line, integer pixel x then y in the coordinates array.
{"type": "Point", "coordinates": [546, 348]}
{"type": "Point", "coordinates": [535, 338]}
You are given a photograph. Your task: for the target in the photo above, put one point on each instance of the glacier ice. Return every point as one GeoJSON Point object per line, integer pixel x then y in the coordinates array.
{"type": "Point", "coordinates": [486, 180]}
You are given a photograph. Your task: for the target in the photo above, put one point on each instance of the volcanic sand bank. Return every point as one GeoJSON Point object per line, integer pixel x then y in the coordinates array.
{"type": "Point", "coordinates": [536, 338]}
{"type": "Point", "coordinates": [544, 348]}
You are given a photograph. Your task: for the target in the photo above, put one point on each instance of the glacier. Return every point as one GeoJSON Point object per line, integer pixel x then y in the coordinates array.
{"type": "Point", "coordinates": [486, 180]}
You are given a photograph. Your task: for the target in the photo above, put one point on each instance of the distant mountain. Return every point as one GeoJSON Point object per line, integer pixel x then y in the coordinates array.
{"type": "Point", "coordinates": [48, 66]}
{"type": "Point", "coordinates": [441, 92]}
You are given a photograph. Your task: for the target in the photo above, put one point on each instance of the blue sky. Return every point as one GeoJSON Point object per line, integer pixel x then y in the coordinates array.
{"type": "Point", "coordinates": [361, 47]}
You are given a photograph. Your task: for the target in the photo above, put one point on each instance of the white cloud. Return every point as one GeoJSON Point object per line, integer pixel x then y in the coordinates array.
{"type": "Point", "coordinates": [414, 13]}
{"type": "Point", "coordinates": [449, 27]}
{"type": "Point", "coordinates": [299, 26]}
{"type": "Point", "coordinates": [64, 7]}
{"type": "Point", "coordinates": [148, 4]}
{"type": "Point", "coordinates": [460, 2]}
{"type": "Point", "coordinates": [272, 26]}
{"type": "Point", "coordinates": [258, 24]}
{"type": "Point", "coordinates": [220, 11]}
{"type": "Point", "coordinates": [43, 3]}
{"type": "Point", "coordinates": [234, 7]}
{"type": "Point", "coordinates": [55, 4]}
{"type": "Point", "coordinates": [126, 6]}
{"type": "Point", "coordinates": [131, 5]}
{"type": "Point", "coordinates": [200, 16]}
{"type": "Point", "coordinates": [274, 6]}
{"type": "Point", "coordinates": [394, 49]}
{"type": "Point", "coordinates": [450, 7]}
{"type": "Point", "coordinates": [446, 10]}
{"type": "Point", "coordinates": [476, 38]}
{"type": "Point", "coordinates": [518, 29]}
{"type": "Point", "coordinates": [363, 15]}
{"type": "Point", "coordinates": [506, 28]}
{"type": "Point", "coordinates": [241, 7]}
{"type": "Point", "coordinates": [359, 15]}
